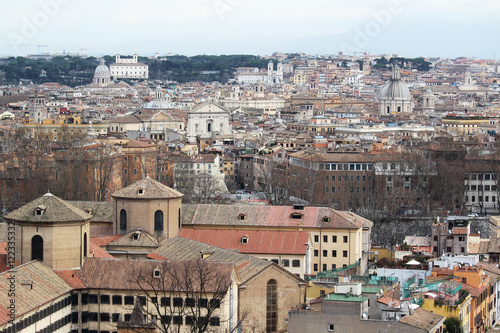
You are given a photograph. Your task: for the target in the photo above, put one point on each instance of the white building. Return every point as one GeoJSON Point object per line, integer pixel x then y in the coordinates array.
{"type": "Point", "coordinates": [102, 76]}
{"type": "Point", "coordinates": [128, 68]}
{"type": "Point", "coordinates": [395, 96]}
{"type": "Point", "coordinates": [207, 121]}
{"type": "Point", "coordinates": [270, 77]}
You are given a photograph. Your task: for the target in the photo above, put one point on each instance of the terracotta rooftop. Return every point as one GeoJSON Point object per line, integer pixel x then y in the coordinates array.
{"type": "Point", "coordinates": [50, 209]}
{"type": "Point", "coordinates": [258, 241]}
{"type": "Point", "coordinates": [275, 216]}
{"type": "Point", "coordinates": [179, 248]}
{"type": "Point", "coordinates": [46, 286]}
{"type": "Point", "coordinates": [147, 188]}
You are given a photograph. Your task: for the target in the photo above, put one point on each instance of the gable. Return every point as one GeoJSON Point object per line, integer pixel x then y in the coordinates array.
{"type": "Point", "coordinates": [161, 116]}
{"type": "Point", "coordinates": [210, 108]}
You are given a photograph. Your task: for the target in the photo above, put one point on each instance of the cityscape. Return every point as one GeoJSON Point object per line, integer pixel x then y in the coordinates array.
{"type": "Point", "coordinates": [227, 166]}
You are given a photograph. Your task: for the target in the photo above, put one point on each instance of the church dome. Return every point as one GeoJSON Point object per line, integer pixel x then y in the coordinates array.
{"type": "Point", "coordinates": [102, 70]}
{"type": "Point", "coordinates": [395, 88]}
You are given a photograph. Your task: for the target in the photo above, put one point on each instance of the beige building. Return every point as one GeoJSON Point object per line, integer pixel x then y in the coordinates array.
{"type": "Point", "coordinates": [266, 292]}
{"type": "Point", "coordinates": [51, 230]}
{"type": "Point", "coordinates": [149, 206]}
{"type": "Point", "coordinates": [339, 238]}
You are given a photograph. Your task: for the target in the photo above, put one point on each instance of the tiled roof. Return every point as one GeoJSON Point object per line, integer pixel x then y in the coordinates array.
{"type": "Point", "coordinates": [101, 211]}
{"type": "Point", "coordinates": [423, 319]}
{"type": "Point", "coordinates": [259, 241]}
{"type": "Point", "coordinates": [151, 189]}
{"type": "Point", "coordinates": [276, 216]}
{"type": "Point", "coordinates": [144, 240]}
{"type": "Point", "coordinates": [460, 231]}
{"type": "Point", "coordinates": [179, 248]}
{"type": "Point", "coordinates": [46, 286]}
{"type": "Point", "coordinates": [53, 209]}
{"type": "Point", "coordinates": [122, 273]}
{"type": "Point", "coordinates": [476, 292]}
{"type": "Point", "coordinates": [73, 277]}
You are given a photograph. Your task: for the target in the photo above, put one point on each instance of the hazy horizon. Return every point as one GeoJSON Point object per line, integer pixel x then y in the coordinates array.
{"type": "Point", "coordinates": [444, 28]}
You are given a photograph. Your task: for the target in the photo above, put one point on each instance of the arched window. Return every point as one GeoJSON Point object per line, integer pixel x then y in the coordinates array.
{"type": "Point", "coordinates": [158, 220]}
{"type": "Point", "coordinates": [123, 220]}
{"type": "Point", "coordinates": [209, 127]}
{"type": "Point", "coordinates": [85, 245]}
{"type": "Point", "coordinates": [272, 306]}
{"type": "Point", "coordinates": [37, 248]}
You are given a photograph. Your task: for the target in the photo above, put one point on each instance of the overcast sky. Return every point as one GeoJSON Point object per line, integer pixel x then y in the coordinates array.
{"type": "Point", "coordinates": [445, 28]}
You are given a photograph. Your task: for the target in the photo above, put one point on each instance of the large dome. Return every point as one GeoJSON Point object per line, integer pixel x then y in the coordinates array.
{"type": "Point", "coordinates": [102, 69]}
{"type": "Point", "coordinates": [395, 88]}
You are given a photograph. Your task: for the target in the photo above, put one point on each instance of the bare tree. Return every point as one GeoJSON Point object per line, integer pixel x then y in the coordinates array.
{"type": "Point", "coordinates": [194, 293]}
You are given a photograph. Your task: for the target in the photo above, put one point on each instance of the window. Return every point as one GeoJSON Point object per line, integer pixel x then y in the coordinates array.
{"type": "Point", "coordinates": [331, 328]}
{"type": "Point", "coordinates": [344, 254]}
{"type": "Point", "coordinates": [214, 321]}
{"type": "Point", "coordinates": [177, 320]}
{"type": "Point", "coordinates": [325, 253]}
{"type": "Point", "coordinates": [129, 300]}
{"type": "Point", "coordinates": [325, 267]}
{"type": "Point", "coordinates": [165, 301]}
{"type": "Point", "coordinates": [315, 267]}
{"type": "Point", "coordinates": [345, 239]}
{"type": "Point", "coordinates": [334, 239]}
{"type": "Point", "coordinates": [203, 302]}
{"type": "Point", "coordinates": [316, 253]}
{"type": "Point", "coordinates": [316, 238]}
{"type": "Point", "coordinates": [295, 263]}
{"type": "Point", "coordinates": [123, 220]}
{"type": "Point", "coordinates": [285, 262]}
{"type": "Point", "coordinates": [115, 317]}
{"type": "Point", "coordinates": [37, 248]}
{"type": "Point", "coordinates": [104, 299]}
{"type": "Point", "coordinates": [166, 319]}
{"type": "Point", "coordinates": [334, 266]}
{"type": "Point", "coordinates": [271, 306]}
{"type": "Point", "coordinates": [159, 220]}
{"type": "Point", "coordinates": [178, 301]}
{"type": "Point", "coordinates": [104, 317]}
{"type": "Point", "coordinates": [462, 249]}
{"type": "Point", "coordinates": [325, 238]}
{"type": "Point", "coordinates": [142, 300]}
{"type": "Point", "coordinates": [190, 302]}
{"type": "Point", "coordinates": [448, 249]}
{"type": "Point", "coordinates": [334, 253]}
{"type": "Point", "coordinates": [93, 316]}
{"type": "Point", "coordinates": [215, 303]}
{"type": "Point", "coordinates": [93, 299]}
{"type": "Point", "coordinates": [464, 280]}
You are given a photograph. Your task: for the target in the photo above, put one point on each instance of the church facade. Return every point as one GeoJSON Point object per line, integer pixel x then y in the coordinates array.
{"type": "Point", "coordinates": [207, 121]}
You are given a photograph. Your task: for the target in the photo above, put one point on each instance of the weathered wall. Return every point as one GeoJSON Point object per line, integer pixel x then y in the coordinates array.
{"type": "Point", "coordinates": [393, 231]}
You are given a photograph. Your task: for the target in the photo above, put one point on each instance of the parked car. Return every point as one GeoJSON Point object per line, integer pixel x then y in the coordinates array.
{"type": "Point", "coordinates": [472, 215]}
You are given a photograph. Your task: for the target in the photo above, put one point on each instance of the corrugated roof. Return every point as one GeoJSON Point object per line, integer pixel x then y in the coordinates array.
{"type": "Point", "coordinates": [151, 189]}
{"type": "Point", "coordinates": [276, 216]}
{"type": "Point", "coordinates": [53, 209]}
{"type": "Point", "coordinates": [258, 241]}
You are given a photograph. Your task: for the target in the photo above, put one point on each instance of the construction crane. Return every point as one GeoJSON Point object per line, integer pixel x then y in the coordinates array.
{"type": "Point", "coordinates": [39, 45]}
